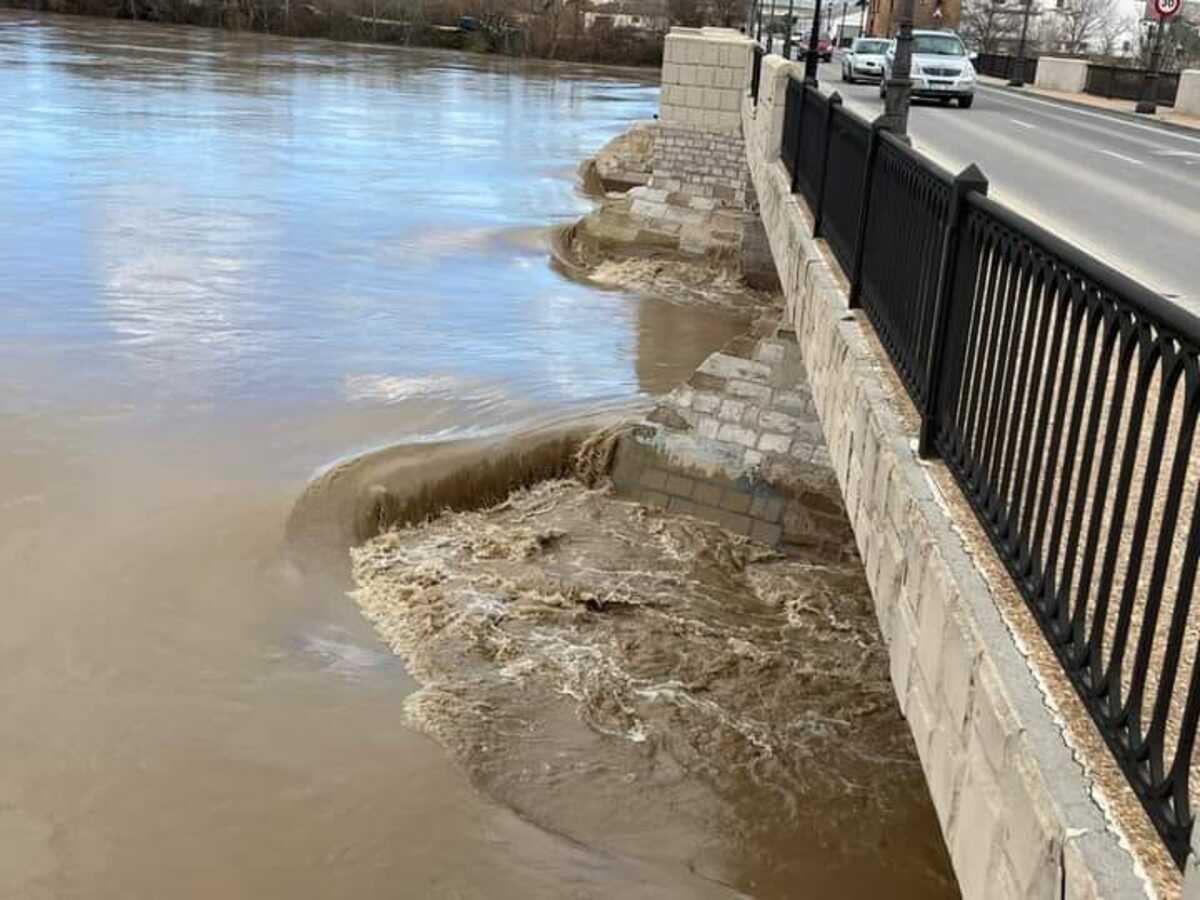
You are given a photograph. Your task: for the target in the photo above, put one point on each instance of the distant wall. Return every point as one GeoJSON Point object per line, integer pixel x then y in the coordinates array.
{"type": "Point", "coordinates": [1066, 75]}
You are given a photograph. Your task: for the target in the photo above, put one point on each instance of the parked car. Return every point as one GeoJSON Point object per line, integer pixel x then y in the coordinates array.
{"type": "Point", "coordinates": [824, 49]}
{"type": "Point", "coordinates": [941, 68]}
{"type": "Point", "coordinates": [864, 59]}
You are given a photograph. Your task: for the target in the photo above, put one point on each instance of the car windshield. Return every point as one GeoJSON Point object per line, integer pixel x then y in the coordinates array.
{"type": "Point", "coordinates": [938, 45]}
{"type": "Point", "coordinates": [870, 46]}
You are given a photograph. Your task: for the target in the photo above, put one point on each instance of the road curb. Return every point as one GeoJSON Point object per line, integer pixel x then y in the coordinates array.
{"type": "Point", "coordinates": [1087, 107]}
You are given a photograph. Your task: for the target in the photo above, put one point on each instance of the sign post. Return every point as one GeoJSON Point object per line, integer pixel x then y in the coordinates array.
{"type": "Point", "coordinates": [1161, 12]}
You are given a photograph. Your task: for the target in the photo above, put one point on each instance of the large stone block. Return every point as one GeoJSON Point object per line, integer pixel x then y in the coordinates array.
{"type": "Point", "coordinates": [902, 652]}
{"type": "Point", "coordinates": [1031, 837]}
{"type": "Point", "coordinates": [1066, 75]}
{"type": "Point", "coordinates": [975, 835]}
{"type": "Point", "coordinates": [1187, 98]}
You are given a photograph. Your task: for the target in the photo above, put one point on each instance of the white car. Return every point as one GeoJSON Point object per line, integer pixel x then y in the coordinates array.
{"type": "Point", "coordinates": [864, 59]}
{"type": "Point", "coordinates": [941, 68]}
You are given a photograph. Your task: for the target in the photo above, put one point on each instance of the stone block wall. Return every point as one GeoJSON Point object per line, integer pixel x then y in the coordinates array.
{"type": "Point", "coordinates": [704, 77]}
{"type": "Point", "coordinates": [1021, 811]}
{"type": "Point", "coordinates": [701, 163]}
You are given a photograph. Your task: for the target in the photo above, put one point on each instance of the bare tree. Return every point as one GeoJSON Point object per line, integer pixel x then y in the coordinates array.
{"type": "Point", "coordinates": [1082, 22]}
{"type": "Point", "coordinates": [986, 24]}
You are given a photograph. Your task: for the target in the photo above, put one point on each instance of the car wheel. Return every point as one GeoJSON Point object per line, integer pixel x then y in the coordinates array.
{"type": "Point", "coordinates": [965, 102]}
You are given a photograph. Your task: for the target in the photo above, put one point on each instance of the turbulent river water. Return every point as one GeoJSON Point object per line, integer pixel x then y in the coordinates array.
{"type": "Point", "coordinates": [229, 264]}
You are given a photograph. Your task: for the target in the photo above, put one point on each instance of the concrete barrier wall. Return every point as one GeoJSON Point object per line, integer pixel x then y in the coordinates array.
{"type": "Point", "coordinates": [1015, 805]}
{"type": "Point", "coordinates": [1187, 100]}
{"type": "Point", "coordinates": [1066, 75]}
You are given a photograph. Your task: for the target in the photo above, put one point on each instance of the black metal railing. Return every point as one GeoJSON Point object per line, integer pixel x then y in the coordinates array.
{"type": "Point", "coordinates": [898, 283]}
{"type": "Point", "coordinates": [1126, 84]}
{"type": "Point", "coordinates": [793, 105]}
{"type": "Point", "coordinates": [1064, 398]}
{"type": "Point", "coordinates": [811, 145]}
{"type": "Point", "coordinates": [1067, 415]}
{"type": "Point", "coordinates": [756, 72]}
{"type": "Point", "coordinates": [1001, 65]}
{"type": "Point", "coordinates": [842, 195]}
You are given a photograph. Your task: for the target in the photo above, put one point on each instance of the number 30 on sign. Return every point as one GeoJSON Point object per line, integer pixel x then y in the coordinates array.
{"type": "Point", "coordinates": [1165, 9]}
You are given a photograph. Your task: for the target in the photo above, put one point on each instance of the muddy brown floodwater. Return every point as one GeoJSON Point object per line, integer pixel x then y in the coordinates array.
{"type": "Point", "coordinates": [233, 266]}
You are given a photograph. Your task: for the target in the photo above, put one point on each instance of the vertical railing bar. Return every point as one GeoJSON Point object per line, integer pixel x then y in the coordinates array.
{"type": "Point", "coordinates": [1010, 480]}
{"type": "Point", "coordinates": [1120, 507]}
{"type": "Point", "coordinates": [1111, 681]}
{"type": "Point", "coordinates": [1053, 461]}
{"type": "Point", "coordinates": [1034, 489]}
{"type": "Point", "coordinates": [835, 102]}
{"type": "Point", "coordinates": [1013, 370]}
{"type": "Point", "coordinates": [1155, 736]}
{"type": "Point", "coordinates": [969, 179]}
{"type": "Point", "coordinates": [970, 273]}
{"type": "Point", "coordinates": [864, 217]}
{"type": "Point", "coordinates": [1003, 358]}
{"type": "Point", "coordinates": [1168, 517]}
{"type": "Point", "coordinates": [1089, 446]}
{"type": "Point", "coordinates": [1077, 387]}
{"type": "Point", "coordinates": [997, 274]}
{"type": "Point", "coordinates": [985, 256]}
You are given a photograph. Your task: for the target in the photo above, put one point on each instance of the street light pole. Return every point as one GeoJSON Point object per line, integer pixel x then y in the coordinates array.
{"type": "Point", "coordinates": [812, 58]}
{"type": "Point", "coordinates": [787, 41]}
{"type": "Point", "coordinates": [1018, 76]}
{"type": "Point", "coordinates": [899, 83]}
{"type": "Point", "coordinates": [1147, 104]}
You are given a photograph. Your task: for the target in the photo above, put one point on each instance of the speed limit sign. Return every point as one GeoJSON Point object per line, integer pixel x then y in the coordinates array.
{"type": "Point", "coordinates": [1166, 9]}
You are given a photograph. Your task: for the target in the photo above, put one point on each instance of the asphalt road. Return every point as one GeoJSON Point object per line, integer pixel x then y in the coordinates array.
{"type": "Point", "coordinates": [1126, 191]}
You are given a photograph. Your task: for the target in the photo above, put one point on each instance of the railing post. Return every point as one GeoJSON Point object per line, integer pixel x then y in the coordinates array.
{"type": "Point", "coordinates": [835, 100]}
{"type": "Point", "coordinates": [968, 180]}
{"type": "Point", "coordinates": [799, 133]}
{"type": "Point", "coordinates": [864, 214]}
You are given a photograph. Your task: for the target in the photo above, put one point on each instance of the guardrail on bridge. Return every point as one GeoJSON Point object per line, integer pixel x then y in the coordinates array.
{"type": "Point", "coordinates": [1064, 399]}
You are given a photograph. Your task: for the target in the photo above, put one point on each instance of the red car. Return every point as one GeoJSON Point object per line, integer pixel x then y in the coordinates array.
{"type": "Point", "coordinates": [824, 49]}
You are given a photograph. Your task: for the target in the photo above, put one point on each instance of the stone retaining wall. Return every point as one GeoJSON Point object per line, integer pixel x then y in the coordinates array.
{"type": "Point", "coordinates": [1016, 807]}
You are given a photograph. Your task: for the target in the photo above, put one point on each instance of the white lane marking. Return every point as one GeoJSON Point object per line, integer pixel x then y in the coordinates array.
{"type": "Point", "coordinates": [1164, 133]}
{"type": "Point", "coordinates": [1121, 156]}
{"type": "Point", "coordinates": [1022, 124]}
{"type": "Point", "coordinates": [1178, 154]}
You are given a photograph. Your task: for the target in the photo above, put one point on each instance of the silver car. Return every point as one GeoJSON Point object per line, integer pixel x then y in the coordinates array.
{"type": "Point", "coordinates": [864, 59]}
{"type": "Point", "coordinates": [941, 68]}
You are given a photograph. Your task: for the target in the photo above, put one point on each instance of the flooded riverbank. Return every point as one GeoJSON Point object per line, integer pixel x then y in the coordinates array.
{"type": "Point", "coordinates": [235, 266]}
{"type": "Point", "coordinates": [611, 671]}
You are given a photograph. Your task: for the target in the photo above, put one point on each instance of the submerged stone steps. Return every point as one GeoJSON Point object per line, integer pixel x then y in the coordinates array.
{"type": "Point", "coordinates": [740, 444]}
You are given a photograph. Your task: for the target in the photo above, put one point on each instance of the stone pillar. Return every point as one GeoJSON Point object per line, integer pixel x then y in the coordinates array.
{"type": "Point", "coordinates": [705, 72]}
{"type": "Point", "coordinates": [1187, 101]}
{"type": "Point", "coordinates": [698, 150]}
